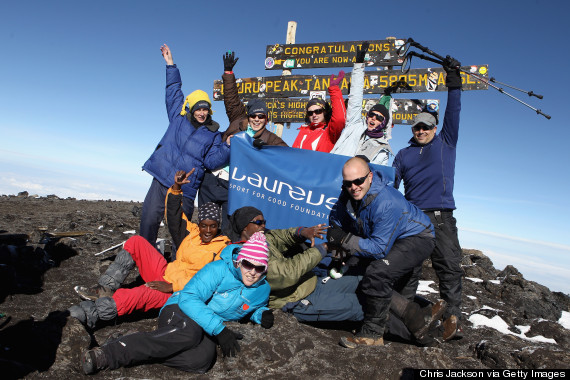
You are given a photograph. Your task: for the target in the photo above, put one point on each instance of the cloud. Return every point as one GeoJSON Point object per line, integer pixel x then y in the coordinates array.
{"type": "Point", "coordinates": [519, 239]}
{"type": "Point", "coordinates": [503, 200]}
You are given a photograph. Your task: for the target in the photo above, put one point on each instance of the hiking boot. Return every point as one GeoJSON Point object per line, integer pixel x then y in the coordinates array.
{"type": "Point", "coordinates": [93, 293]}
{"type": "Point", "coordinates": [355, 341]}
{"type": "Point", "coordinates": [93, 361]}
{"type": "Point", "coordinates": [451, 328]}
{"type": "Point", "coordinates": [431, 315]}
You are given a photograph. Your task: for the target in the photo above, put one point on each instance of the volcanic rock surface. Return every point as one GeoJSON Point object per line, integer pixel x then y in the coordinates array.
{"type": "Point", "coordinates": [39, 340]}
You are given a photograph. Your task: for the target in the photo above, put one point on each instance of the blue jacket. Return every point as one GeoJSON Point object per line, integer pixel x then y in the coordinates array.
{"type": "Point", "coordinates": [383, 217]}
{"type": "Point", "coordinates": [183, 146]}
{"type": "Point", "coordinates": [428, 170]}
{"type": "Point", "coordinates": [216, 294]}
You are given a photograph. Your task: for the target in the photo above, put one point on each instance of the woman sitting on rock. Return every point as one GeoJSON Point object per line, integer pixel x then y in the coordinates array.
{"type": "Point", "coordinates": [199, 244]}
{"type": "Point", "coordinates": [226, 290]}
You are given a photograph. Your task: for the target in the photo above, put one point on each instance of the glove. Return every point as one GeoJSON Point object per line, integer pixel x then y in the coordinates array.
{"type": "Point", "coordinates": [361, 52]}
{"type": "Point", "coordinates": [267, 319]}
{"type": "Point", "coordinates": [335, 235]}
{"type": "Point", "coordinates": [451, 67]}
{"type": "Point", "coordinates": [258, 143]}
{"type": "Point", "coordinates": [336, 82]}
{"type": "Point", "coordinates": [227, 340]}
{"type": "Point", "coordinates": [229, 61]}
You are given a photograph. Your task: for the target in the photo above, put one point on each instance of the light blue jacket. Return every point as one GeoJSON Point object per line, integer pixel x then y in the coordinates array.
{"type": "Point", "coordinates": [352, 137]}
{"type": "Point", "coordinates": [216, 294]}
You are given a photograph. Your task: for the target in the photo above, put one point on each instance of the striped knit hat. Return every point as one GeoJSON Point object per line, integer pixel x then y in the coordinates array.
{"type": "Point", "coordinates": [255, 250]}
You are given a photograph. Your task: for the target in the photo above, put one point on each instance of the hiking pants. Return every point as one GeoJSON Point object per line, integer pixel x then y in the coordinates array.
{"type": "Point", "coordinates": [446, 260]}
{"type": "Point", "coordinates": [151, 265]}
{"type": "Point", "coordinates": [153, 211]}
{"type": "Point", "coordinates": [178, 342]}
{"type": "Point", "coordinates": [404, 257]}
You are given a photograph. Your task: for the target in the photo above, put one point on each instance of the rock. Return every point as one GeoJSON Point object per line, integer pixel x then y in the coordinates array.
{"type": "Point", "coordinates": [39, 340]}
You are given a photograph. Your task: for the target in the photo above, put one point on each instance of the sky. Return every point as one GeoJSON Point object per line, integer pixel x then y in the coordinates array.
{"type": "Point", "coordinates": [82, 99]}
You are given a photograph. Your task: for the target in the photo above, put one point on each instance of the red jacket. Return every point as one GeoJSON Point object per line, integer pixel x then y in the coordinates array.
{"type": "Point", "coordinates": [322, 137]}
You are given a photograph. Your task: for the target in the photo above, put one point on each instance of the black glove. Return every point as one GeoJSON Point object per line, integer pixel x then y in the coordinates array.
{"type": "Point", "coordinates": [258, 143]}
{"type": "Point", "coordinates": [335, 235]}
{"type": "Point", "coordinates": [229, 61]}
{"type": "Point", "coordinates": [227, 340]}
{"type": "Point", "coordinates": [361, 52]}
{"type": "Point", "coordinates": [267, 319]}
{"type": "Point", "coordinates": [451, 67]}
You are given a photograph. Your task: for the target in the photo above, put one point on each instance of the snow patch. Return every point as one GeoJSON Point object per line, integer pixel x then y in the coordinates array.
{"type": "Point", "coordinates": [495, 282]}
{"type": "Point", "coordinates": [474, 279]}
{"type": "Point", "coordinates": [472, 297]}
{"type": "Point", "coordinates": [564, 319]}
{"type": "Point", "coordinates": [424, 287]}
{"type": "Point", "coordinates": [501, 326]}
{"type": "Point", "coordinates": [130, 232]}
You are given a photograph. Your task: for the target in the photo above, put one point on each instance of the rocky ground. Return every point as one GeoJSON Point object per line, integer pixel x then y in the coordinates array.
{"type": "Point", "coordinates": [38, 340]}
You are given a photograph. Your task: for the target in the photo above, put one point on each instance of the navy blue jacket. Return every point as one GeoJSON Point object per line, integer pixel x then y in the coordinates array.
{"type": "Point", "coordinates": [383, 217]}
{"type": "Point", "coordinates": [184, 146]}
{"type": "Point", "coordinates": [428, 170]}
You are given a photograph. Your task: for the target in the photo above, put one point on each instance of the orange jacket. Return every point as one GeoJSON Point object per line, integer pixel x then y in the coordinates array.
{"type": "Point", "coordinates": [192, 254]}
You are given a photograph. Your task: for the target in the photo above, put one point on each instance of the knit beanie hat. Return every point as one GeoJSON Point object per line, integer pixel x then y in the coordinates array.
{"type": "Point", "coordinates": [193, 99]}
{"type": "Point", "coordinates": [210, 211]}
{"type": "Point", "coordinates": [255, 250]}
{"type": "Point", "coordinates": [239, 220]}
{"type": "Point", "coordinates": [316, 101]}
{"type": "Point", "coordinates": [256, 106]}
{"type": "Point", "coordinates": [382, 109]}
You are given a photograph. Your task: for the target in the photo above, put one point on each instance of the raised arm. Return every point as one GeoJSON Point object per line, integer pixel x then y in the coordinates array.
{"type": "Point", "coordinates": [338, 117]}
{"type": "Point", "coordinates": [234, 107]}
{"type": "Point", "coordinates": [174, 215]}
{"type": "Point", "coordinates": [450, 130]}
{"type": "Point", "coordinates": [174, 95]}
{"type": "Point", "coordinates": [354, 110]}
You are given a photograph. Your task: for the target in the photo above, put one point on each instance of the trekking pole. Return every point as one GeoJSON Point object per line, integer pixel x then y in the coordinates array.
{"type": "Point", "coordinates": [440, 60]}
{"type": "Point", "coordinates": [530, 93]}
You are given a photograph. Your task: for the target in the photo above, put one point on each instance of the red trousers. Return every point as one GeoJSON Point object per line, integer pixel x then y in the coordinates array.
{"type": "Point", "coordinates": [151, 265]}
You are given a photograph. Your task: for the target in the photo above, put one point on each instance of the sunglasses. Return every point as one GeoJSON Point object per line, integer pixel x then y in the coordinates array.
{"type": "Point", "coordinates": [357, 181]}
{"type": "Point", "coordinates": [419, 127]}
{"type": "Point", "coordinates": [259, 222]}
{"type": "Point", "coordinates": [378, 116]}
{"type": "Point", "coordinates": [259, 116]}
{"type": "Point", "coordinates": [316, 112]}
{"type": "Point", "coordinates": [249, 266]}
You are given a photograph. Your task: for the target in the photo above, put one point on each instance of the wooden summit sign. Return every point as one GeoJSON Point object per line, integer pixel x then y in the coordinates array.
{"type": "Point", "coordinates": [288, 110]}
{"type": "Point", "coordinates": [415, 80]}
{"type": "Point", "coordinates": [331, 54]}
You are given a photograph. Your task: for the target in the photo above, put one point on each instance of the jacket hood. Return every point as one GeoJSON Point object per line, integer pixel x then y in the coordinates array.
{"type": "Point", "coordinates": [229, 257]}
